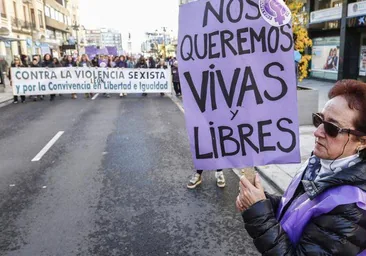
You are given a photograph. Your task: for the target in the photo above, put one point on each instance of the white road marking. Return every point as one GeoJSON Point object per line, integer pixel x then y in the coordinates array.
{"type": "Point", "coordinates": [47, 147]}
{"type": "Point", "coordinates": [176, 103]}
{"type": "Point", "coordinates": [95, 96]}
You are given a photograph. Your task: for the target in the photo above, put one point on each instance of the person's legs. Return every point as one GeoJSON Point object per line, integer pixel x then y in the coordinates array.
{"type": "Point", "coordinates": [15, 99]}
{"type": "Point", "coordinates": [176, 88]}
{"type": "Point", "coordinates": [195, 180]}
{"type": "Point", "coordinates": [220, 178]}
{"type": "Point", "coordinates": [22, 98]}
{"type": "Point", "coordinates": [179, 89]}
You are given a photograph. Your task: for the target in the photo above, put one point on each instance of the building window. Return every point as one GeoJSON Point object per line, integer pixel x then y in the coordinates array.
{"type": "Point", "coordinates": [40, 17]}
{"type": "Point", "coordinates": [52, 13]}
{"type": "Point", "coordinates": [25, 13]}
{"type": "Point", "coordinates": [47, 11]}
{"type": "Point", "coordinates": [33, 17]}
{"type": "Point", "coordinates": [15, 10]}
{"type": "Point", "coordinates": [2, 9]}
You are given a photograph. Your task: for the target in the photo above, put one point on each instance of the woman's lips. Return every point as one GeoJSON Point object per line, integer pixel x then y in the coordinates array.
{"type": "Point", "coordinates": [317, 143]}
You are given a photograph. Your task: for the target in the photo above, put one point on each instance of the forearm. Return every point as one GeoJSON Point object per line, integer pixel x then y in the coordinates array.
{"type": "Point", "coordinates": [267, 233]}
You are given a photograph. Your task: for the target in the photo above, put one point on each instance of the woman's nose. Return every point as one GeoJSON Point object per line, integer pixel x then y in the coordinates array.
{"type": "Point", "coordinates": [319, 132]}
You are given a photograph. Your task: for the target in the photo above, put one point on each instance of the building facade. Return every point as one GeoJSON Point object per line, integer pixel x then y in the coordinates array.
{"type": "Point", "coordinates": [36, 27]}
{"type": "Point", "coordinates": [25, 25]}
{"type": "Point", "coordinates": [103, 38]}
{"type": "Point", "coordinates": [338, 30]}
{"type": "Point", "coordinates": [160, 43]}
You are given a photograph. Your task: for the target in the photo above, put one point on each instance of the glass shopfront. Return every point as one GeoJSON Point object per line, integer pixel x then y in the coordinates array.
{"type": "Point", "coordinates": [363, 58]}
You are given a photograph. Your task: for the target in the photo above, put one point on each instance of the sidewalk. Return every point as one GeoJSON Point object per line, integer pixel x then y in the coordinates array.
{"type": "Point", "coordinates": [279, 176]}
{"type": "Point", "coordinates": [6, 96]}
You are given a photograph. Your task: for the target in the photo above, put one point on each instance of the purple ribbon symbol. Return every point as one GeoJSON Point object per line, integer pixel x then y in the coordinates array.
{"type": "Point", "coordinates": [276, 9]}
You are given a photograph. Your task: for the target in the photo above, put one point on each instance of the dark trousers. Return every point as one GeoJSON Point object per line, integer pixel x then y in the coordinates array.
{"type": "Point", "coordinates": [201, 171]}
{"type": "Point", "coordinates": [177, 88]}
{"type": "Point", "coordinates": [22, 97]}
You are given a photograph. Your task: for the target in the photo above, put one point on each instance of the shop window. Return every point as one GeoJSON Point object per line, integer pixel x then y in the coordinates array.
{"type": "Point", "coordinates": [325, 57]}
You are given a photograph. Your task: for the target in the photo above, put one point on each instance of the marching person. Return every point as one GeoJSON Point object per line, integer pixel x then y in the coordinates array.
{"type": "Point", "coordinates": [197, 179]}
{"type": "Point", "coordinates": [163, 66]}
{"type": "Point", "coordinates": [121, 63]}
{"type": "Point", "coordinates": [130, 62]}
{"type": "Point", "coordinates": [57, 63]}
{"type": "Point", "coordinates": [176, 81]}
{"type": "Point", "coordinates": [35, 64]}
{"type": "Point", "coordinates": [70, 62]}
{"type": "Point", "coordinates": [48, 63]}
{"type": "Point", "coordinates": [323, 211]}
{"type": "Point", "coordinates": [84, 62]}
{"type": "Point", "coordinates": [16, 64]}
{"type": "Point", "coordinates": [103, 63]}
{"type": "Point", "coordinates": [142, 64]}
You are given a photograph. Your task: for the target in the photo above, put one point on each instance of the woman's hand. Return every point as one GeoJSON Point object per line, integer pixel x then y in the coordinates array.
{"type": "Point", "coordinates": [249, 194]}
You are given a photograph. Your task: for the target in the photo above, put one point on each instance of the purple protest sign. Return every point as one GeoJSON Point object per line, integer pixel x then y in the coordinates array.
{"type": "Point", "coordinates": [102, 51]}
{"type": "Point", "coordinates": [91, 51]}
{"type": "Point", "coordinates": [112, 50]}
{"type": "Point", "coordinates": [238, 79]}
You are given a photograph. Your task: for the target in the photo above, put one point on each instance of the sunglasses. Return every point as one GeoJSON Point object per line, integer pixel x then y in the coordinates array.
{"type": "Point", "coordinates": [331, 129]}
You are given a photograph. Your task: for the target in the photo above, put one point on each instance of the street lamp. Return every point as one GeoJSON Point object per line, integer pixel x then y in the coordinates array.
{"type": "Point", "coordinates": [76, 27]}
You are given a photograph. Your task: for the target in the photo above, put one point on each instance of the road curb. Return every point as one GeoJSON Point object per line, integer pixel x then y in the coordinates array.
{"type": "Point", "coordinates": [5, 102]}
{"type": "Point", "coordinates": [269, 180]}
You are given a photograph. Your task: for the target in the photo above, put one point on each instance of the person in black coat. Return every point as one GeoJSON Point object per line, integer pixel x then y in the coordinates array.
{"type": "Point", "coordinates": [142, 64]}
{"type": "Point", "coordinates": [323, 211]}
{"type": "Point", "coordinates": [35, 64]}
{"type": "Point", "coordinates": [17, 63]}
{"type": "Point", "coordinates": [70, 62]}
{"type": "Point", "coordinates": [48, 63]}
{"type": "Point", "coordinates": [163, 66]}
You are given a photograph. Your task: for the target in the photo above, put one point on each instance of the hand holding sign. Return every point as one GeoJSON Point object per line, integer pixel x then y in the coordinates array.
{"type": "Point", "coordinates": [249, 194]}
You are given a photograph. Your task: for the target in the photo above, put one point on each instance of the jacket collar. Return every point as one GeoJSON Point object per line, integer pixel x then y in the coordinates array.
{"type": "Point", "coordinates": [354, 176]}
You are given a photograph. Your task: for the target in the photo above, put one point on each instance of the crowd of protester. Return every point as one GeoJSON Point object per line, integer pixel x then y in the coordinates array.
{"type": "Point", "coordinates": [102, 61]}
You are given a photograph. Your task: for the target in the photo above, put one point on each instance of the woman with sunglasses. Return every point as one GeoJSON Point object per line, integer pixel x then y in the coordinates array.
{"type": "Point", "coordinates": [323, 211]}
{"type": "Point", "coordinates": [17, 63]}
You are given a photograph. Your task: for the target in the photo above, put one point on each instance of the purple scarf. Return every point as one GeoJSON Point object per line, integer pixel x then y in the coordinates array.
{"type": "Point", "coordinates": [303, 209]}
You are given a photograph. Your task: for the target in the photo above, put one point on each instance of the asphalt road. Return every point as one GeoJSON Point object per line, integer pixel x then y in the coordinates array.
{"type": "Point", "coordinates": [114, 183]}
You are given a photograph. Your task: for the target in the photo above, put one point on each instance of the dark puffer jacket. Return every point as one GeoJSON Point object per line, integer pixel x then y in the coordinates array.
{"type": "Point", "coordinates": [339, 232]}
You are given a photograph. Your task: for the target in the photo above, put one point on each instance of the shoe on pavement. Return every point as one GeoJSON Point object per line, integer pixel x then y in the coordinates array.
{"type": "Point", "coordinates": [220, 179]}
{"type": "Point", "coordinates": [121, 95]}
{"type": "Point", "coordinates": [15, 102]}
{"type": "Point", "coordinates": [194, 181]}
{"type": "Point", "coordinates": [162, 94]}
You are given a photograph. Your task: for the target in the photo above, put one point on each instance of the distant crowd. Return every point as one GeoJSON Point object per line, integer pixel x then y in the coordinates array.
{"type": "Point", "coordinates": [103, 61]}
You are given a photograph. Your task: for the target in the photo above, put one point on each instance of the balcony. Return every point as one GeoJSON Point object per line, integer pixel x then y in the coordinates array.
{"type": "Point", "coordinates": [22, 26]}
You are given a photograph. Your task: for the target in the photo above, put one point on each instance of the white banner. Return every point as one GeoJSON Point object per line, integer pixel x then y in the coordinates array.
{"type": "Point", "coordinates": [42, 81]}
